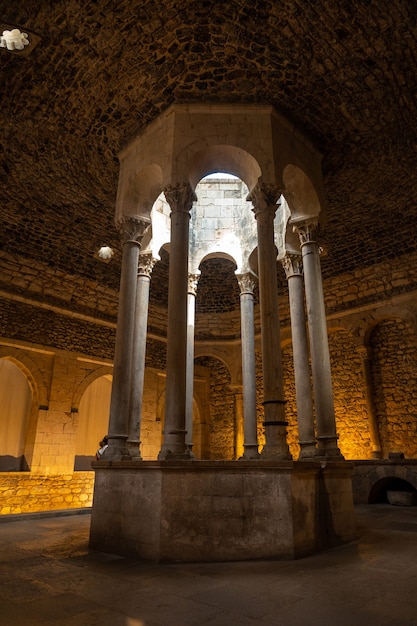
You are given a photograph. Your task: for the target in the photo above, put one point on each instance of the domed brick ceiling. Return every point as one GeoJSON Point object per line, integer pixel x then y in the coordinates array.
{"type": "Point", "coordinates": [343, 72]}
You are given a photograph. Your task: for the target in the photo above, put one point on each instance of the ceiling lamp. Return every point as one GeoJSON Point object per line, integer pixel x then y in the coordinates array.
{"type": "Point", "coordinates": [14, 39]}
{"type": "Point", "coordinates": [105, 253]}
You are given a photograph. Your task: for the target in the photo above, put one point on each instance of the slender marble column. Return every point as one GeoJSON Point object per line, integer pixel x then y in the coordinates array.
{"type": "Point", "coordinates": [146, 264]}
{"type": "Point", "coordinates": [132, 231]}
{"type": "Point", "coordinates": [250, 445]}
{"type": "Point", "coordinates": [192, 292]}
{"type": "Point", "coordinates": [294, 271]}
{"type": "Point", "coordinates": [319, 344]}
{"type": "Point", "coordinates": [364, 352]}
{"type": "Point", "coordinates": [180, 198]}
{"type": "Point", "coordinates": [264, 198]}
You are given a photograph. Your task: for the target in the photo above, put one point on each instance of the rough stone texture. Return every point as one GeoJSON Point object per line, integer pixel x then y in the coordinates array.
{"type": "Point", "coordinates": [341, 71]}
{"type": "Point", "coordinates": [222, 411]}
{"type": "Point", "coordinates": [23, 493]}
{"type": "Point", "coordinates": [394, 376]}
{"type": "Point", "coordinates": [352, 422]}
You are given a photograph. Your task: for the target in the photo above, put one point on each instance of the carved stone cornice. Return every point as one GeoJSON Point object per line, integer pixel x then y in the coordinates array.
{"type": "Point", "coordinates": [306, 229]}
{"type": "Point", "coordinates": [246, 283]}
{"type": "Point", "coordinates": [265, 199]}
{"type": "Point", "coordinates": [293, 265]}
{"type": "Point", "coordinates": [146, 264]}
{"type": "Point", "coordinates": [132, 229]}
{"type": "Point", "coordinates": [180, 197]}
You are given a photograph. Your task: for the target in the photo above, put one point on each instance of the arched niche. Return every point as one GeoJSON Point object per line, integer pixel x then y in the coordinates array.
{"type": "Point", "coordinates": [138, 192]}
{"type": "Point", "coordinates": [16, 403]}
{"type": "Point", "coordinates": [93, 413]}
{"type": "Point", "coordinates": [300, 193]}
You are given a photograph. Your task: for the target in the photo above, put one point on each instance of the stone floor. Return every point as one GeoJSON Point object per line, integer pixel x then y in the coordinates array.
{"type": "Point", "coordinates": [48, 576]}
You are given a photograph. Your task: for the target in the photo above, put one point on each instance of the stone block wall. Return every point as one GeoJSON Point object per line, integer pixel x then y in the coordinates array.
{"type": "Point", "coordinates": [22, 492]}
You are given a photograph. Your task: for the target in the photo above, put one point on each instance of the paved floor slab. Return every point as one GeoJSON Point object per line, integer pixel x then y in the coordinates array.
{"type": "Point", "coordinates": [49, 576]}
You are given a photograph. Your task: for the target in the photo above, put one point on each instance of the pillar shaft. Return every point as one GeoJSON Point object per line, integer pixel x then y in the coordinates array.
{"type": "Point", "coordinates": [265, 198]}
{"type": "Point", "coordinates": [250, 443]}
{"type": "Point", "coordinates": [304, 401]}
{"type": "Point", "coordinates": [239, 427]}
{"type": "Point", "coordinates": [319, 344]}
{"type": "Point", "coordinates": [146, 263]}
{"type": "Point", "coordinates": [180, 199]}
{"type": "Point", "coordinates": [132, 231]}
{"type": "Point", "coordinates": [192, 291]}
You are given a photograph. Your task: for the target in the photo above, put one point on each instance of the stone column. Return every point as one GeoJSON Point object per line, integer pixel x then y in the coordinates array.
{"type": "Point", "coordinates": [180, 198]}
{"type": "Point", "coordinates": [264, 198]}
{"type": "Point", "coordinates": [364, 352]}
{"type": "Point", "coordinates": [250, 444]}
{"type": "Point", "coordinates": [319, 344]}
{"type": "Point", "coordinates": [294, 272]}
{"type": "Point", "coordinates": [192, 291]}
{"type": "Point", "coordinates": [146, 264]}
{"type": "Point", "coordinates": [239, 430]}
{"type": "Point", "coordinates": [132, 231]}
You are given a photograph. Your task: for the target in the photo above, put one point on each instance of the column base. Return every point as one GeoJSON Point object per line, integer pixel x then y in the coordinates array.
{"type": "Point", "coordinates": [175, 451]}
{"type": "Point", "coordinates": [117, 449]}
{"type": "Point", "coordinates": [328, 449]}
{"type": "Point", "coordinates": [308, 451]}
{"type": "Point", "coordinates": [134, 450]}
{"type": "Point", "coordinates": [376, 454]}
{"type": "Point", "coordinates": [276, 447]}
{"type": "Point", "coordinates": [250, 452]}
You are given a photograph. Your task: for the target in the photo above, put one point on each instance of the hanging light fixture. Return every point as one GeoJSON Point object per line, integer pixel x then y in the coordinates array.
{"type": "Point", "coordinates": [14, 39]}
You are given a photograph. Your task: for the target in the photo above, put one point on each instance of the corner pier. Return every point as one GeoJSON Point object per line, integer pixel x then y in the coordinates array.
{"type": "Point", "coordinates": [202, 511]}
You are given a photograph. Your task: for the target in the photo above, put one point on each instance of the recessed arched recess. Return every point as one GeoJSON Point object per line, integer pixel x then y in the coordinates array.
{"type": "Point", "coordinates": [16, 403]}
{"type": "Point", "coordinates": [137, 193]}
{"type": "Point", "coordinates": [224, 158]}
{"type": "Point", "coordinates": [379, 492]}
{"type": "Point", "coordinates": [300, 193]}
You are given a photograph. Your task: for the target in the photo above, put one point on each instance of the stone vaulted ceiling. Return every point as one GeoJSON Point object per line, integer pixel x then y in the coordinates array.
{"type": "Point", "coordinates": [344, 72]}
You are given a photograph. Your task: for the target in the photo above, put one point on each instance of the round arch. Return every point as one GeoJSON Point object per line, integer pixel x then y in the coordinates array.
{"type": "Point", "coordinates": [300, 193]}
{"type": "Point", "coordinates": [138, 193]}
{"type": "Point", "coordinates": [93, 414]}
{"type": "Point", "coordinates": [229, 159]}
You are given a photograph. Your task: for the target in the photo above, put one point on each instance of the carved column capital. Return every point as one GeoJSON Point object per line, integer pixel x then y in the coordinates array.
{"type": "Point", "coordinates": [146, 264]}
{"type": "Point", "coordinates": [246, 283]}
{"type": "Point", "coordinates": [180, 197]}
{"type": "Point", "coordinates": [132, 229]}
{"type": "Point", "coordinates": [293, 265]}
{"type": "Point", "coordinates": [192, 283]}
{"type": "Point", "coordinates": [265, 199]}
{"type": "Point", "coordinates": [306, 229]}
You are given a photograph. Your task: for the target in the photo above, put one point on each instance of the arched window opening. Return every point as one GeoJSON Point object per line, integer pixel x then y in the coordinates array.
{"type": "Point", "coordinates": [93, 421]}
{"type": "Point", "coordinates": [15, 402]}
